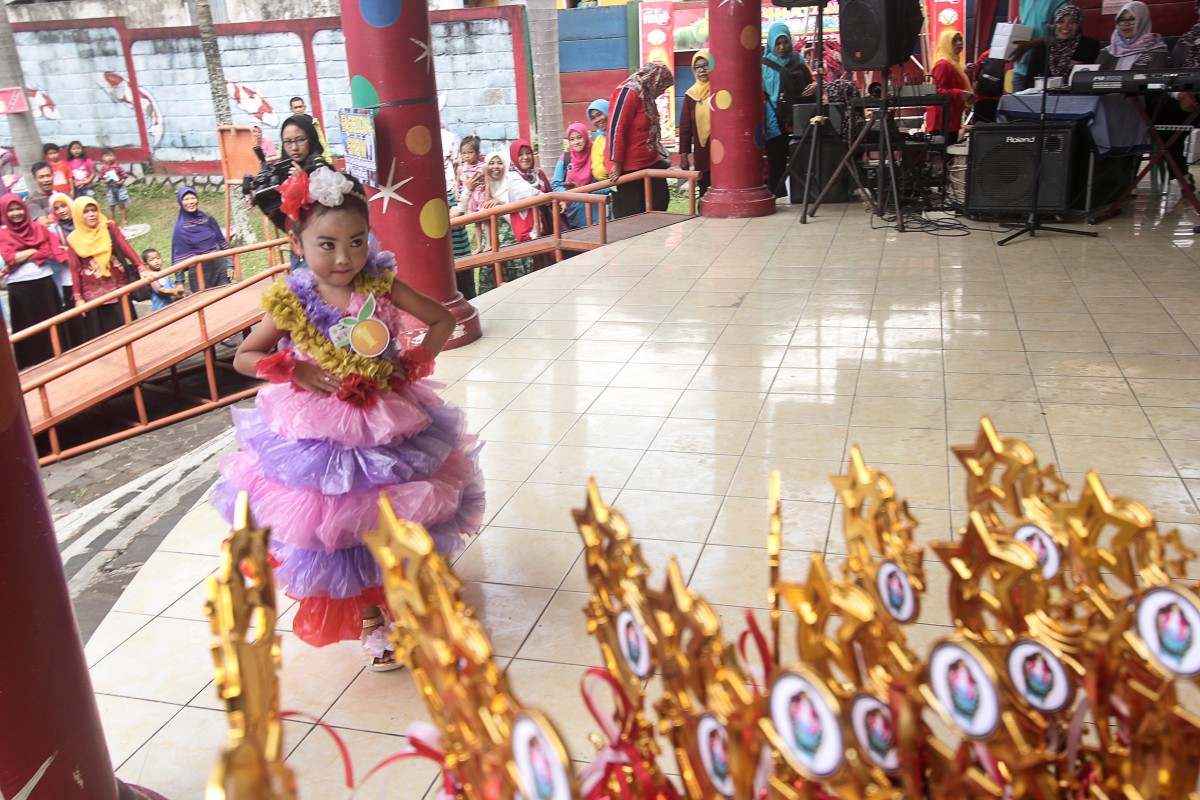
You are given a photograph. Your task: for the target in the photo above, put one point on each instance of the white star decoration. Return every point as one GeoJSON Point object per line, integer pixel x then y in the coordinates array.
{"type": "Point", "coordinates": [733, 4]}
{"type": "Point", "coordinates": [388, 190]}
{"type": "Point", "coordinates": [33, 782]}
{"type": "Point", "coordinates": [426, 53]}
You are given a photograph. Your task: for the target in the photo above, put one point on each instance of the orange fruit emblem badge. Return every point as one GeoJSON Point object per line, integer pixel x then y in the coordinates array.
{"type": "Point", "coordinates": [368, 336]}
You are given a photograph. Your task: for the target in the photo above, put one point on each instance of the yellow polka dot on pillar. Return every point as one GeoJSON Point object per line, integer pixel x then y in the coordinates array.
{"type": "Point", "coordinates": [717, 152]}
{"type": "Point", "coordinates": [418, 140]}
{"type": "Point", "coordinates": [435, 218]}
{"type": "Point", "coordinates": [723, 100]}
{"type": "Point", "coordinates": [751, 37]}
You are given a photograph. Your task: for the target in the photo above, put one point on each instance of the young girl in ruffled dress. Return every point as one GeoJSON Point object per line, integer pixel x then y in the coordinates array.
{"type": "Point", "coordinates": [345, 417]}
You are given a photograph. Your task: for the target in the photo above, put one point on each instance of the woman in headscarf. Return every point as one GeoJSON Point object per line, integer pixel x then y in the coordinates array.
{"type": "Point", "coordinates": [838, 93]}
{"type": "Point", "coordinates": [695, 121]}
{"type": "Point", "coordinates": [58, 221]}
{"type": "Point", "coordinates": [532, 223]}
{"type": "Point", "coordinates": [95, 250]}
{"type": "Point", "coordinates": [572, 170]}
{"type": "Point", "coordinates": [1067, 47]}
{"type": "Point", "coordinates": [1132, 44]}
{"type": "Point", "coordinates": [197, 233]}
{"type": "Point", "coordinates": [787, 80]}
{"type": "Point", "coordinates": [597, 114]}
{"type": "Point", "coordinates": [301, 143]}
{"type": "Point", "coordinates": [258, 140]}
{"type": "Point", "coordinates": [503, 186]}
{"type": "Point", "coordinates": [951, 79]}
{"type": "Point", "coordinates": [634, 130]}
{"type": "Point", "coordinates": [30, 254]}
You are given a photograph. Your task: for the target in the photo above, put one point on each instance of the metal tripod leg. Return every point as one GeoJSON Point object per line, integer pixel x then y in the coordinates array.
{"type": "Point", "coordinates": [847, 161]}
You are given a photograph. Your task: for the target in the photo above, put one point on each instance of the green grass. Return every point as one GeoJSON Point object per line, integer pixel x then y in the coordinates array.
{"type": "Point", "coordinates": [156, 206]}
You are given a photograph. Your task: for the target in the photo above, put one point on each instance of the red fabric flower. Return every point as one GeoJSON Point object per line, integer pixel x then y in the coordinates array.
{"type": "Point", "coordinates": [277, 368]}
{"type": "Point", "coordinates": [357, 390]}
{"type": "Point", "coordinates": [293, 195]}
{"type": "Point", "coordinates": [418, 363]}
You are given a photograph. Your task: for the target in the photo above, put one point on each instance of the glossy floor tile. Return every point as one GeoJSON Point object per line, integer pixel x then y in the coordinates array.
{"type": "Point", "coordinates": [679, 369]}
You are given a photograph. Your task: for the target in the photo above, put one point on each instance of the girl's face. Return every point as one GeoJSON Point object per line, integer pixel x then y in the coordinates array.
{"type": "Point", "coordinates": [16, 213]}
{"type": "Point", "coordinates": [469, 155]}
{"type": "Point", "coordinates": [599, 119]}
{"type": "Point", "coordinates": [295, 143]}
{"type": "Point", "coordinates": [91, 215]}
{"type": "Point", "coordinates": [957, 45]}
{"type": "Point", "coordinates": [495, 168]}
{"type": "Point", "coordinates": [525, 159]}
{"type": "Point", "coordinates": [783, 46]}
{"type": "Point", "coordinates": [256, 134]}
{"type": "Point", "coordinates": [335, 246]}
{"type": "Point", "coordinates": [1126, 25]}
{"type": "Point", "coordinates": [700, 69]}
{"type": "Point", "coordinates": [577, 141]}
{"type": "Point", "coordinates": [76, 151]}
{"type": "Point", "coordinates": [1066, 27]}
{"type": "Point", "coordinates": [190, 202]}
{"type": "Point", "coordinates": [62, 211]}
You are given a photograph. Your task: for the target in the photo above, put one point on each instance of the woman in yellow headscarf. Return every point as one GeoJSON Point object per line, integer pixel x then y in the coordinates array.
{"type": "Point", "coordinates": [95, 250]}
{"type": "Point", "coordinates": [695, 121]}
{"type": "Point", "coordinates": [951, 79]}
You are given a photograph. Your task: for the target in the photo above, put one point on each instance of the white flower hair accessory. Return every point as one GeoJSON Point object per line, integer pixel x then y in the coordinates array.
{"type": "Point", "coordinates": [328, 187]}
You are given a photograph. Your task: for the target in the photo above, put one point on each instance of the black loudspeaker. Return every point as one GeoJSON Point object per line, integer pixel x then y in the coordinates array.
{"type": "Point", "coordinates": [831, 154]}
{"type": "Point", "coordinates": [1003, 161]}
{"type": "Point", "coordinates": [877, 34]}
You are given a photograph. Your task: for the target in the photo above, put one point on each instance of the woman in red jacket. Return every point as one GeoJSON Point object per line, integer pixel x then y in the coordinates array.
{"type": "Point", "coordinates": [633, 134]}
{"type": "Point", "coordinates": [951, 79]}
{"type": "Point", "coordinates": [95, 251]}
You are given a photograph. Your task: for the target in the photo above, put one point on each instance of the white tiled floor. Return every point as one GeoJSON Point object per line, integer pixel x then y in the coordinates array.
{"type": "Point", "coordinates": [679, 369]}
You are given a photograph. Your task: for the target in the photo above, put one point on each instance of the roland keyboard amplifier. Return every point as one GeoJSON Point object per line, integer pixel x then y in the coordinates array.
{"type": "Point", "coordinates": [1003, 162]}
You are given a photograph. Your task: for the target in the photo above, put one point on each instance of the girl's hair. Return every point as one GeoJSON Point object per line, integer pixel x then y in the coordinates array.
{"type": "Point", "coordinates": [50, 147]}
{"type": "Point", "coordinates": [106, 150]}
{"type": "Point", "coordinates": [472, 142]}
{"type": "Point", "coordinates": [82, 149]}
{"type": "Point", "coordinates": [354, 200]}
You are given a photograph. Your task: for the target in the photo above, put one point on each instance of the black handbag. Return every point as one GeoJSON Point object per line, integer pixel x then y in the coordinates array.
{"type": "Point", "coordinates": [142, 293]}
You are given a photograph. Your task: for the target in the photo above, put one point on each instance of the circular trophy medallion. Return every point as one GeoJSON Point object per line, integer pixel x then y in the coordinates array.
{"type": "Point", "coordinates": [805, 715]}
{"type": "Point", "coordinates": [871, 722]}
{"type": "Point", "coordinates": [1039, 676]}
{"type": "Point", "coordinates": [1043, 546]}
{"type": "Point", "coordinates": [540, 759]}
{"type": "Point", "coordinates": [963, 688]}
{"type": "Point", "coordinates": [1167, 621]}
{"type": "Point", "coordinates": [634, 646]}
{"type": "Point", "coordinates": [713, 743]}
{"type": "Point", "coordinates": [898, 596]}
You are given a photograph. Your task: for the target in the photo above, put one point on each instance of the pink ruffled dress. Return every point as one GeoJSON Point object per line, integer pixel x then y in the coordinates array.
{"type": "Point", "coordinates": [314, 467]}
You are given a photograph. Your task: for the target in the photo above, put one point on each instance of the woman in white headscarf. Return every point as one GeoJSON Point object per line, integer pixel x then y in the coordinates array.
{"type": "Point", "coordinates": [503, 186]}
{"type": "Point", "coordinates": [1132, 44]}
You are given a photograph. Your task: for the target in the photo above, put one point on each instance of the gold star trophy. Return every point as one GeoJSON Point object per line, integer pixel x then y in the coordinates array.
{"type": "Point", "coordinates": [493, 748]}
{"type": "Point", "coordinates": [241, 610]}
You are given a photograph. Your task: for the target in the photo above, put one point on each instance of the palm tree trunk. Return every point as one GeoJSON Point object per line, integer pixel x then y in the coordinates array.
{"type": "Point", "coordinates": [26, 140]}
{"type": "Point", "coordinates": [543, 38]}
{"type": "Point", "coordinates": [220, 99]}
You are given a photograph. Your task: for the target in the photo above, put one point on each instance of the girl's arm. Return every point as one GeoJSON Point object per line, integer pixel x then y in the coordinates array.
{"type": "Point", "coordinates": [559, 182]}
{"type": "Point", "coordinates": [259, 344]}
{"type": "Point", "coordinates": [431, 312]}
{"type": "Point", "coordinates": [76, 275]}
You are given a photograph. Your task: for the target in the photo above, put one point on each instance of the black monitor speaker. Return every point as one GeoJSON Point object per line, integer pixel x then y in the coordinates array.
{"type": "Point", "coordinates": [831, 151]}
{"type": "Point", "coordinates": [877, 34]}
{"type": "Point", "coordinates": [1003, 161]}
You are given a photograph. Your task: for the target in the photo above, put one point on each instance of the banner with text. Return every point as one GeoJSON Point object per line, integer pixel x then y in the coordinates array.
{"type": "Point", "coordinates": [656, 30]}
{"type": "Point", "coordinates": [358, 137]}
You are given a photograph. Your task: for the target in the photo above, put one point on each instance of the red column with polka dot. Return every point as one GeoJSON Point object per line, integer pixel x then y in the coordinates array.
{"type": "Point", "coordinates": [390, 59]}
{"type": "Point", "coordinates": [736, 148]}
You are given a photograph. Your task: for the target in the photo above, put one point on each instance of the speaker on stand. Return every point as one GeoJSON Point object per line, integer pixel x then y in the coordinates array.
{"type": "Point", "coordinates": [1003, 161]}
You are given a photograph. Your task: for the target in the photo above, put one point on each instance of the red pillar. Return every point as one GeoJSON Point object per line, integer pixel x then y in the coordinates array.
{"type": "Point", "coordinates": [390, 58]}
{"type": "Point", "coordinates": [50, 734]}
{"type": "Point", "coordinates": [737, 190]}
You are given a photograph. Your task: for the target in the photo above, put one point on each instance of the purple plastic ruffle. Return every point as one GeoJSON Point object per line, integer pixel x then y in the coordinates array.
{"type": "Point", "coordinates": [340, 574]}
{"type": "Point", "coordinates": [313, 521]}
{"type": "Point", "coordinates": [329, 468]}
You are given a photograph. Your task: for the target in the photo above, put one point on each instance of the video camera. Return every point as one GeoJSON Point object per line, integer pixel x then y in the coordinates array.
{"type": "Point", "coordinates": [263, 188]}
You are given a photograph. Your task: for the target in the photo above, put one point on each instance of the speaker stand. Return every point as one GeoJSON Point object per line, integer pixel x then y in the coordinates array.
{"type": "Point", "coordinates": [1032, 225]}
{"type": "Point", "coordinates": [887, 152]}
{"type": "Point", "coordinates": [816, 125]}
